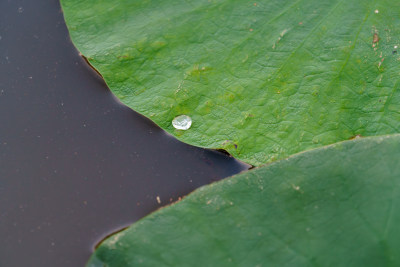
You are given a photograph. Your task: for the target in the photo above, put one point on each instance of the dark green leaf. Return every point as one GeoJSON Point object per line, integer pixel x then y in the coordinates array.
{"type": "Point", "coordinates": [333, 206]}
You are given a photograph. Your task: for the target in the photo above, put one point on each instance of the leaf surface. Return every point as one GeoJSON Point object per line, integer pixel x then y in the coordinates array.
{"type": "Point", "coordinates": [262, 79]}
{"type": "Point", "coordinates": [332, 206]}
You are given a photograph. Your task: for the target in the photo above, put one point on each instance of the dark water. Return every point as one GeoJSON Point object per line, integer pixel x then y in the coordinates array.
{"type": "Point", "coordinates": [74, 163]}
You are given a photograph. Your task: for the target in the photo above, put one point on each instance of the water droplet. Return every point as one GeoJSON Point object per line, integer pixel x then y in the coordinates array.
{"type": "Point", "coordinates": [182, 122]}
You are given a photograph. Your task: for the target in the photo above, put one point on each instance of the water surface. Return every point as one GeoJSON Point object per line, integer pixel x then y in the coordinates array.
{"type": "Point", "coordinates": [74, 163]}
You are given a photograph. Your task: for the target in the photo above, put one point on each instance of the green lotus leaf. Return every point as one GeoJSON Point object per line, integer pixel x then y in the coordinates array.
{"type": "Point", "coordinates": [337, 205]}
{"type": "Point", "coordinates": [259, 79]}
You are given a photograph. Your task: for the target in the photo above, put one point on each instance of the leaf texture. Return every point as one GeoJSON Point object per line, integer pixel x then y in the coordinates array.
{"type": "Point", "coordinates": [261, 80]}
{"type": "Point", "coordinates": [332, 206]}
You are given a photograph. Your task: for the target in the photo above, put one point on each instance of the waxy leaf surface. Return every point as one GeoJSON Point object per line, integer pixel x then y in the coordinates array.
{"type": "Point", "coordinates": [333, 206]}
{"type": "Point", "coordinates": [260, 79]}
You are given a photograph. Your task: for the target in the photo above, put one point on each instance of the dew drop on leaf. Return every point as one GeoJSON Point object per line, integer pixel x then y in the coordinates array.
{"type": "Point", "coordinates": [182, 122]}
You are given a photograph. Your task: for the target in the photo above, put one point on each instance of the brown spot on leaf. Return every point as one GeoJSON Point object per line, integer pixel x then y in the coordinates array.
{"type": "Point", "coordinates": [375, 38]}
{"type": "Point", "coordinates": [355, 136]}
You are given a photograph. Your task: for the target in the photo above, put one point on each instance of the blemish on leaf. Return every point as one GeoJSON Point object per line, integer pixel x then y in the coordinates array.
{"type": "Point", "coordinates": [375, 38]}
{"type": "Point", "coordinates": [229, 143]}
{"type": "Point", "coordinates": [296, 187]}
{"type": "Point", "coordinates": [380, 62]}
{"type": "Point", "coordinates": [355, 136]}
{"type": "Point", "coordinates": [280, 37]}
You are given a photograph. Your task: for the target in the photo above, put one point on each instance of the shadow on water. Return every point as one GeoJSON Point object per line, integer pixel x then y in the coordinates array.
{"type": "Point", "coordinates": [76, 165]}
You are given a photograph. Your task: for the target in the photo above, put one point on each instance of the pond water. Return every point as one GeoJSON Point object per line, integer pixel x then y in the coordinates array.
{"type": "Point", "coordinates": [75, 164]}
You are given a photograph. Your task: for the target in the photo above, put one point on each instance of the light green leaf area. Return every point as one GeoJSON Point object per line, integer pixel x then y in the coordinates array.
{"type": "Point", "coordinates": [337, 205]}
{"type": "Point", "coordinates": [260, 79]}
